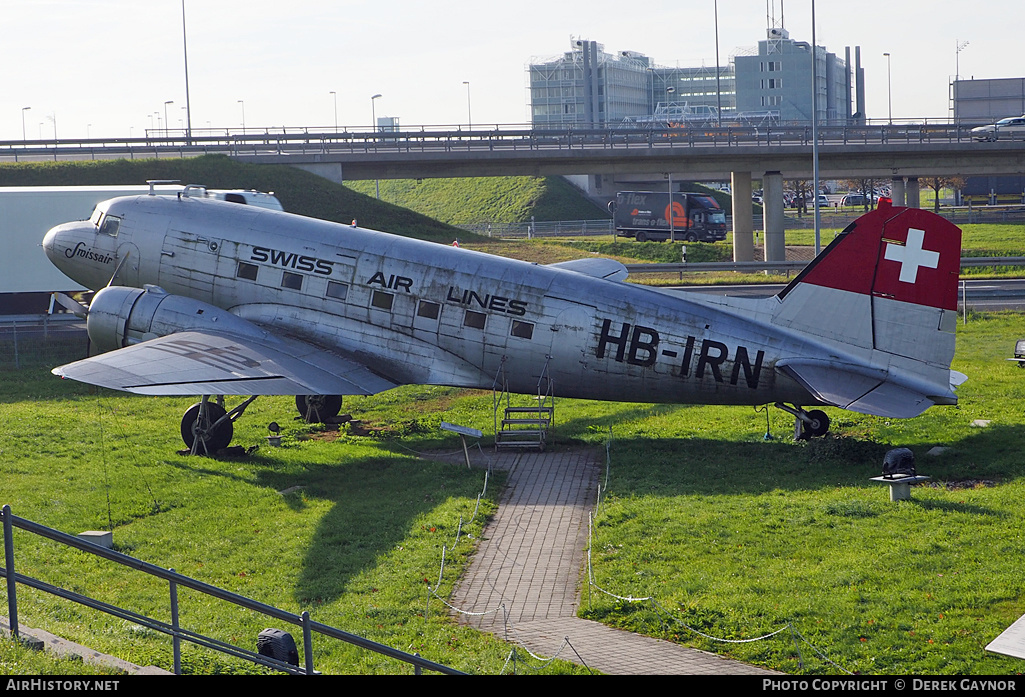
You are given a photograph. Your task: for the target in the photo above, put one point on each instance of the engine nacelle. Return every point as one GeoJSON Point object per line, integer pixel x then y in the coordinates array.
{"type": "Point", "coordinates": [121, 316]}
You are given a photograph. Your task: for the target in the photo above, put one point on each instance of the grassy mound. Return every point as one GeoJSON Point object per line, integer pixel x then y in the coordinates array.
{"type": "Point", "coordinates": [299, 192]}
{"type": "Point", "coordinates": [487, 199]}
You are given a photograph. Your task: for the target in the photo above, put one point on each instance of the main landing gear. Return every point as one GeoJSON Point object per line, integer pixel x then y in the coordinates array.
{"type": "Point", "coordinates": [208, 426]}
{"type": "Point", "coordinates": [318, 408]}
{"type": "Point", "coordinates": [807, 424]}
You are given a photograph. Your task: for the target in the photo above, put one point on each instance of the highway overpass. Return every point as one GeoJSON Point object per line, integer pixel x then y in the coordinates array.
{"type": "Point", "coordinates": [917, 150]}
{"type": "Point", "coordinates": [903, 153]}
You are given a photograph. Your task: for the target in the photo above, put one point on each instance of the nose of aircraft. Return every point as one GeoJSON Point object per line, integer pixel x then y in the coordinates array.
{"type": "Point", "coordinates": [50, 242]}
{"type": "Point", "coordinates": [73, 248]}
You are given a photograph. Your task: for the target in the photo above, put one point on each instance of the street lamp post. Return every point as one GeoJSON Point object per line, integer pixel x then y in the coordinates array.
{"type": "Point", "coordinates": [373, 116]}
{"type": "Point", "coordinates": [815, 132]}
{"type": "Point", "coordinates": [188, 102]}
{"type": "Point", "coordinates": [669, 211]}
{"type": "Point", "coordinates": [889, 91]}
{"type": "Point", "coordinates": [335, 95]}
{"type": "Point", "coordinates": [373, 112]}
{"type": "Point", "coordinates": [718, 88]}
{"type": "Point", "coordinates": [23, 110]}
{"type": "Point", "coordinates": [958, 47]}
{"type": "Point", "coordinates": [242, 102]}
{"type": "Point", "coordinates": [957, 59]}
{"type": "Point", "coordinates": [469, 117]}
{"type": "Point", "coordinates": [167, 124]}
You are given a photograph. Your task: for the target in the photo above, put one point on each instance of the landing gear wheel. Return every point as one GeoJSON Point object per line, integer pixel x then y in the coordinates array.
{"type": "Point", "coordinates": [199, 432]}
{"type": "Point", "coordinates": [819, 425]}
{"type": "Point", "coordinates": [318, 408]}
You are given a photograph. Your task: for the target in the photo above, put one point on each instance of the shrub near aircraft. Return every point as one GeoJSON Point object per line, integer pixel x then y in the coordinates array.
{"type": "Point", "coordinates": [234, 300]}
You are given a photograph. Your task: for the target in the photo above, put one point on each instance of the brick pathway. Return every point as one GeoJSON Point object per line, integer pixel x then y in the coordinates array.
{"type": "Point", "coordinates": [531, 561]}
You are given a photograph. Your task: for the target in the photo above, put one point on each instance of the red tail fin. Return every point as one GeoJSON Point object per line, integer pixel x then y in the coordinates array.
{"type": "Point", "coordinates": [906, 254]}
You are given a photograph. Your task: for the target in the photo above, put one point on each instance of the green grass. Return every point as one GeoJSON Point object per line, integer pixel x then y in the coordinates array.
{"type": "Point", "coordinates": [486, 199]}
{"type": "Point", "coordinates": [730, 535]}
{"type": "Point", "coordinates": [977, 240]}
{"type": "Point", "coordinates": [736, 537]}
{"type": "Point", "coordinates": [299, 192]}
{"type": "Point", "coordinates": [358, 544]}
{"type": "Point", "coordinates": [18, 659]}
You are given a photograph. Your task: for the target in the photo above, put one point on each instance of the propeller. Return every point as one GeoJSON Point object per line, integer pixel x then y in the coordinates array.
{"type": "Point", "coordinates": [73, 306]}
{"type": "Point", "coordinates": [68, 303]}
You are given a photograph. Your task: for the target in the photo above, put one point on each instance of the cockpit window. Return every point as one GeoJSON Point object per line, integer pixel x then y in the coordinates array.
{"type": "Point", "coordinates": [95, 217]}
{"type": "Point", "coordinates": [110, 225]}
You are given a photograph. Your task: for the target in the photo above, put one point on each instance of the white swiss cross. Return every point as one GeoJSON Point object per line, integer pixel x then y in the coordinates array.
{"type": "Point", "coordinates": [911, 255]}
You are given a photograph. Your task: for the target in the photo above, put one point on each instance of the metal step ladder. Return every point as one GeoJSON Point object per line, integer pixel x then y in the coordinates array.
{"type": "Point", "coordinates": [524, 426]}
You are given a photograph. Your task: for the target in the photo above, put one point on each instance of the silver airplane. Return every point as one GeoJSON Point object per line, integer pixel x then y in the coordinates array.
{"type": "Point", "coordinates": [204, 297]}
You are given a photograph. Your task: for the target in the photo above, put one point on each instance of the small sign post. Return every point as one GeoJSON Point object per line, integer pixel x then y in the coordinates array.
{"type": "Point", "coordinates": [463, 432]}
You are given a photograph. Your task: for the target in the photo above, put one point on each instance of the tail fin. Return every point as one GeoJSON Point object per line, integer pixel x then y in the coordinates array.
{"type": "Point", "coordinates": [885, 294]}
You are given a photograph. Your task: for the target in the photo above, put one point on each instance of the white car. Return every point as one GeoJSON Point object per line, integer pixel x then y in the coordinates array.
{"type": "Point", "coordinates": [1010, 128]}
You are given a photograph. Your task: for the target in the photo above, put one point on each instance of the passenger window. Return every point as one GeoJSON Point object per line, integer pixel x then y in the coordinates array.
{"type": "Point", "coordinates": [291, 280]}
{"type": "Point", "coordinates": [522, 330]}
{"type": "Point", "coordinates": [247, 271]}
{"type": "Point", "coordinates": [381, 301]}
{"type": "Point", "coordinates": [110, 225]}
{"type": "Point", "coordinates": [474, 320]}
{"type": "Point", "coordinates": [338, 291]}
{"type": "Point", "coordinates": [428, 310]}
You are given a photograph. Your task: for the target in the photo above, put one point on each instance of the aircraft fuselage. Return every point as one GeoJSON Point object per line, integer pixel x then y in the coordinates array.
{"type": "Point", "coordinates": [425, 313]}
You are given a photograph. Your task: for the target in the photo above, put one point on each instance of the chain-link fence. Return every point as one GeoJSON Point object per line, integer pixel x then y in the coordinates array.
{"type": "Point", "coordinates": [36, 343]}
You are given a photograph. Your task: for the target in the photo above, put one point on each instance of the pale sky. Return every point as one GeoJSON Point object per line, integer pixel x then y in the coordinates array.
{"type": "Point", "coordinates": [106, 67]}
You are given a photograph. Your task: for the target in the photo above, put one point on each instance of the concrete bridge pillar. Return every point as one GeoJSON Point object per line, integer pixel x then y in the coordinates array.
{"type": "Point", "coordinates": [332, 171]}
{"type": "Point", "coordinates": [772, 216]}
{"type": "Point", "coordinates": [911, 193]}
{"type": "Point", "coordinates": [743, 218]}
{"type": "Point", "coordinates": [897, 191]}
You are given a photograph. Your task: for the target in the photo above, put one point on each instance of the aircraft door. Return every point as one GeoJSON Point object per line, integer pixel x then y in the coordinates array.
{"type": "Point", "coordinates": [571, 337]}
{"type": "Point", "coordinates": [128, 260]}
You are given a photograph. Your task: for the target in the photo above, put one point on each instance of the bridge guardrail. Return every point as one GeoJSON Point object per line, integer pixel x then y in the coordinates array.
{"type": "Point", "coordinates": [514, 137]}
{"type": "Point", "coordinates": [788, 266]}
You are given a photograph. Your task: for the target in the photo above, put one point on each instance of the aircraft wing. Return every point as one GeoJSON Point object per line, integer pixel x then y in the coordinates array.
{"type": "Point", "coordinates": [599, 267]}
{"type": "Point", "coordinates": [860, 388]}
{"type": "Point", "coordinates": [207, 362]}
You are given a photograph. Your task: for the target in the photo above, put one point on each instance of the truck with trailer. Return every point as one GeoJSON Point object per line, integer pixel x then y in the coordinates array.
{"type": "Point", "coordinates": [645, 215]}
{"type": "Point", "coordinates": [26, 212]}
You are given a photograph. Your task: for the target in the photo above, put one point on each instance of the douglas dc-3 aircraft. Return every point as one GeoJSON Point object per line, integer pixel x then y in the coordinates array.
{"type": "Point", "coordinates": [204, 297]}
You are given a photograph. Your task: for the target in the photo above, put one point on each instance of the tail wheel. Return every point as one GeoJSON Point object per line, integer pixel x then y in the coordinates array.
{"type": "Point", "coordinates": [318, 408]}
{"type": "Point", "coordinates": [201, 431]}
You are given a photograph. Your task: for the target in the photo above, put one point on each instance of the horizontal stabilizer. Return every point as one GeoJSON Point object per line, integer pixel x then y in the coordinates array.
{"type": "Point", "coordinates": [858, 388]}
{"type": "Point", "coordinates": [609, 269]}
{"type": "Point", "coordinates": [204, 362]}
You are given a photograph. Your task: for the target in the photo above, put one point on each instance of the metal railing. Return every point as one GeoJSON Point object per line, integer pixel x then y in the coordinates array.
{"type": "Point", "coordinates": [787, 266]}
{"type": "Point", "coordinates": [173, 629]}
{"type": "Point", "coordinates": [481, 138]}
{"type": "Point", "coordinates": [41, 340]}
{"type": "Point", "coordinates": [555, 228]}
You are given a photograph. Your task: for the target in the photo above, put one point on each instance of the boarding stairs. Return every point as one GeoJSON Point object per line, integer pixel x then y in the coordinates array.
{"type": "Point", "coordinates": [527, 426]}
